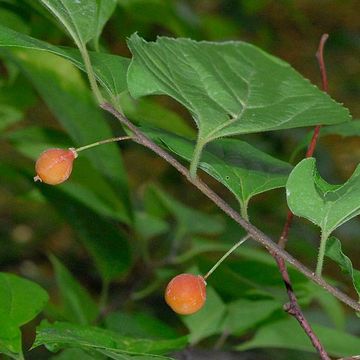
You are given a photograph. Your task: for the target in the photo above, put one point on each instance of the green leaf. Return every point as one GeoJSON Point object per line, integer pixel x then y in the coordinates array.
{"type": "Point", "coordinates": [287, 334]}
{"type": "Point", "coordinates": [149, 113]}
{"type": "Point", "coordinates": [103, 238]}
{"type": "Point", "coordinates": [110, 70]}
{"type": "Point", "coordinates": [140, 325]}
{"type": "Point", "coordinates": [333, 251]}
{"type": "Point", "coordinates": [243, 169]}
{"type": "Point", "coordinates": [61, 86]}
{"type": "Point", "coordinates": [326, 205]}
{"type": "Point", "coordinates": [78, 306]}
{"type": "Point", "coordinates": [229, 88]}
{"type": "Point", "coordinates": [62, 335]}
{"type": "Point", "coordinates": [351, 128]}
{"type": "Point", "coordinates": [84, 19]}
{"type": "Point", "coordinates": [71, 354]}
{"type": "Point", "coordinates": [207, 321]}
{"type": "Point", "coordinates": [20, 301]}
{"type": "Point", "coordinates": [244, 314]}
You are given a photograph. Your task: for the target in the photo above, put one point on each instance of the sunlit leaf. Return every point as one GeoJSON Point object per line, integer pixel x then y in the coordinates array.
{"type": "Point", "coordinates": [20, 301]}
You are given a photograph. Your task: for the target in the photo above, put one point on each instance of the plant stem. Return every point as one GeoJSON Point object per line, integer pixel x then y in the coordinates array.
{"type": "Point", "coordinates": [225, 256]}
{"type": "Point", "coordinates": [119, 138]}
{"type": "Point", "coordinates": [255, 233]}
{"type": "Point", "coordinates": [321, 254]}
{"type": "Point", "coordinates": [90, 73]}
{"type": "Point", "coordinates": [196, 158]}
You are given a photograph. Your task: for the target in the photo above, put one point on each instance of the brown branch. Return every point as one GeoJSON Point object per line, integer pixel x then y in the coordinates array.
{"type": "Point", "coordinates": [293, 307]}
{"type": "Point", "coordinates": [255, 233]}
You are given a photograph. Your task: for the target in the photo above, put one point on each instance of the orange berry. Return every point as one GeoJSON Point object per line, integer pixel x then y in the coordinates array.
{"type": "Point", "coordinates": [54, 166]}
{"type": "Point", "coordinates": [186, 293]}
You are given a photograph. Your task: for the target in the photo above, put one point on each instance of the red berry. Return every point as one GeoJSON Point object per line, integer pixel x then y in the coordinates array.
{"type": "Point", "coordinates": [186, 293]}
{"type": "Point", "coordinates": [54, 166]}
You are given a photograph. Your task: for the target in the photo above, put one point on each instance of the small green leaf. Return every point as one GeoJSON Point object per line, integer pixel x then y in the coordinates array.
{"type": "Point", "coordinates": [229, 88]}
{"type": "Point", "coordinates": [207, 321]}
{"type": "Point", "coordinates": [78, 306]}
{"type": "Point", "coordinates": [20, 301]}
{"type": "Point", "coordinates": [243, 169]}
{"type": "Point", "coordinates": [61, 335]}
{"type": "Point", "coordinates": [287, 334]}
{"type": "Point", "coordinates": [110, 70]}
{"type": "Point", "coordinates": [82, 19]}
{"type": "Point", "coordinates": [334, 252]}
{"type": "Point", "coordinates": [351, 128]}
{"type": "Point", "coordinates": [326, 205]}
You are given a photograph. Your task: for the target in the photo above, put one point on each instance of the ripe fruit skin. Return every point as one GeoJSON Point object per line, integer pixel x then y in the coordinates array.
{"type": "Point", "coordinates": [186, 293]}
{"type": "Point", "coordinates": [54, 166]}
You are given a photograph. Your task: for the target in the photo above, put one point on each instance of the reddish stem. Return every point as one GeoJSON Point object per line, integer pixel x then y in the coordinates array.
{"type": "Point", "coordinates": [293, 307]}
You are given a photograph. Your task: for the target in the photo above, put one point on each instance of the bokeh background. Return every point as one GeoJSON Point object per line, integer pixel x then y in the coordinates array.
{"type": "Point", "coordinates": [31, 227]}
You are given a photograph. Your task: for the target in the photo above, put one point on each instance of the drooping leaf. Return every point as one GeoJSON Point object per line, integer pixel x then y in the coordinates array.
{"type": "Point", "coordinates": [229, 88]}
{"type": "Point", "coordinates": [326, 205]}
{"type": "Point", "coordinates": [82, 19]}
{"type": "Point", "coordinates": [351, 128]}
{"type": "Point", "coordinates": [207, 321]}
{"type": "Point", "coordinates": [61, 335]}
{"type": "Point", "coordinates": [243, 169]}
{"type": "Point", "coordinates": [78, 306]}
{"type": "Point", "coordinates": [334, 252]}
{"type": "Point", "coordinates": [110, 70]}
{"type": "Point", "coordinates": [61, 87]}
{"type": "Point", "coordinates": [287, 334]}
{"type": "Point", "coordinates": [20, 301]}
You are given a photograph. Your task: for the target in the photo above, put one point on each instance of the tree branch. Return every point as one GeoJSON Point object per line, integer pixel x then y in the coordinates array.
{"type": "Point", "coordinates": [255, 233]}
{"type": "Point", "coordinates": [293, 307]}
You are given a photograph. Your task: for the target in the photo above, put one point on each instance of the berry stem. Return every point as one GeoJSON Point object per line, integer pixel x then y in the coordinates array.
{"type": "Point", "coordinates": [119, 138]}
{"type": "Point", "coordinates": [226, 255]}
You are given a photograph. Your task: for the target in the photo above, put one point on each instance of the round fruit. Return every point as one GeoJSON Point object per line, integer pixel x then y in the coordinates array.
{"type": "Point", "coordinates": [186, 293]}
{"type": "Point", "coordinates": [54, 166]}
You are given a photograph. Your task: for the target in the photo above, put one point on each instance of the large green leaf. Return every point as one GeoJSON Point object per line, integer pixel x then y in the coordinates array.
{"type": "Point", "coordinates": [83, 20]}
{"type": "Point", "coordinates": [243, 169]}
{"type": "Point", "coordinates": [230, 88]}
{"type": "Point", "coordinates": [110, 70]}
{"type": "Point", "coordinates": [334, 252]}
{"type": "Point", "coordinates": [287, 334]}
{"type": "Point", "coordinates": [66, 335]}
{"type": "Point", "coordinates": [61, 86]}
{"type": "Point", "coordinates": [20, 301]}
{"type": "Point", "coordinates": [78, 306]}
{"type": "Point", "coordinates": [326, 205]}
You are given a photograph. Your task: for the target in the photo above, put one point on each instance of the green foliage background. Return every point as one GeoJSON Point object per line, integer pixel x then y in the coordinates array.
{"type": "Point", "coordinates": [124, 224]}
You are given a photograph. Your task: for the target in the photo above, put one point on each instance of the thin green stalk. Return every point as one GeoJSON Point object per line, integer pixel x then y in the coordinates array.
{"type": "Point", "coordinates": [104, 295]}
{"type": "Point", "coordinates": [91, 76]}
{"type": "Point", "coordinates": [321, 254]}
{"type": "Point", "coordinates": [225, 256]}
{"type": "Point", "coordinates": [244, 209]}
{"type": "Point", "coordinates": [118, 138]}
{"type": "Point", "coordinates": [196, 159]}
